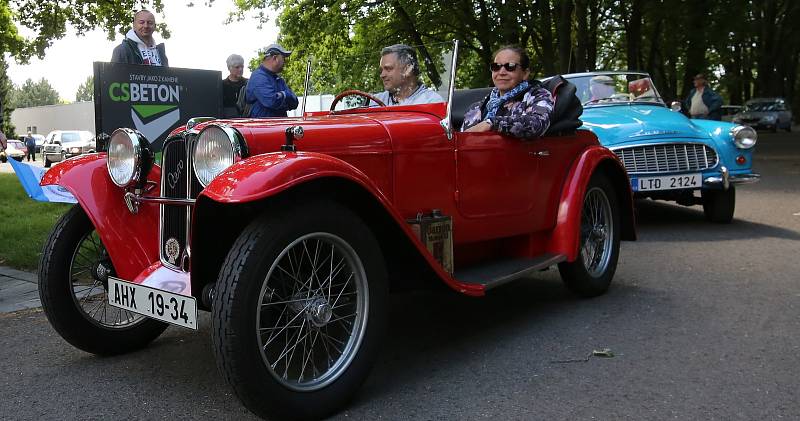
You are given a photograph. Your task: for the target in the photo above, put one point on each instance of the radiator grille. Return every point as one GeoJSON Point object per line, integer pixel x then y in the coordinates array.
{"type": "Point", "coordinates": [178, 182]}
{"type": "Point", "coordinates": [669, 157]}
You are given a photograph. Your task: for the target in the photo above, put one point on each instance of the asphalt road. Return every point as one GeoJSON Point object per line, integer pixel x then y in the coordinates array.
{"type": "Point", "coordinates": [702, 319]}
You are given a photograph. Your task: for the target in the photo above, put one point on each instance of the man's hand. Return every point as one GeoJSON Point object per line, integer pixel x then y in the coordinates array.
{"type": "Point", "coordinates": [483, 126]}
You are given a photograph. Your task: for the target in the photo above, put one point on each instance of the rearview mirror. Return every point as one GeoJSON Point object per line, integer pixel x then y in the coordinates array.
{"type": "Point", "coordinates": [675, 106]}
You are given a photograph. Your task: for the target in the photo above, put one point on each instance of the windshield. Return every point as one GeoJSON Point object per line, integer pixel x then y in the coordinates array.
{"type": "Point", "coordinates": [608, 88]}
{"type": "Point", "coordinates": [400, 76]}
{"type": "Point", "coordinates": [761, 106]}
{"type": "Point", "coordinates": [70, 137]}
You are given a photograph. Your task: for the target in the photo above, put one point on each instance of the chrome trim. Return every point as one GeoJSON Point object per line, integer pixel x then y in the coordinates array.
{"type": "Point", "coordinates": [162, 201]}
{"type": "Point", "coordinates": [732, 179]}
{"type": "Point", "coordinates": [197, 120]}
{"type": "Point", "coordinates": [305, 89]}
{"type": "Point", "coordinates": [237, 144]}
{"type": "Point", "coordinates": [665, 144]}
{"type": "Point", "coordinates": [446, 123]}
{"type": "Point", "coordinates": [136, 140]}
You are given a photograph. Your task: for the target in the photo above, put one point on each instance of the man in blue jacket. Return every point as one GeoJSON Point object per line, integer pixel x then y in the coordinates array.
{"type": "Point", "coordinates": [702, 101]}
{"type": "Point", "coordinates": [267, 93]}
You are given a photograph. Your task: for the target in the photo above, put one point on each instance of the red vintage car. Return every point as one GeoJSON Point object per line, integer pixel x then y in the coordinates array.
{"type": "Point", "coordinates": [293, 231]}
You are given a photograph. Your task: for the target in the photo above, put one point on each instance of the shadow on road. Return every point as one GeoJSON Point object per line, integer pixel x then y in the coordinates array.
{"type": "Point", "coordinates": [668, 221]}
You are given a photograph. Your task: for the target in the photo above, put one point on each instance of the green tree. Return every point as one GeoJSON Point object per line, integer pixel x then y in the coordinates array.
{"type": "Point", "coordinates": [85, 90]}
{"type": "Point", "coordinates": [51, 20]}
{"type": "Point", "coordinates": [34, 94]}
{"type": "Point", "coordinates": [5, 90]}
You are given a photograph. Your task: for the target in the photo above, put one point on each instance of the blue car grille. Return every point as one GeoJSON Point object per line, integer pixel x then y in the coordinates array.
{"type": "Point", "coordinates": [178, 182]}
{"type": "Point", "coordinates": [667, 157]}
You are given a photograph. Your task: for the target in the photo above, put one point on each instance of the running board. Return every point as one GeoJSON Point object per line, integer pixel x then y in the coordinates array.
{"type": "Point", "coordinates": [494, 274]}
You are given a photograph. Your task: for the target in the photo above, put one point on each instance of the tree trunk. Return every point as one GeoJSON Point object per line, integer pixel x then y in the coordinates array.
{"type": "Point", "coordinates": [411, 30]}
{"type": "Point", "coordinates": [564, 27]}
{"type": "Point", "coordinates": [581, 35]}
{"type": "Point", "coordinates": [633, 36]}
{"type": "Point", "coordinates": [696, 43]}
{"type": "Point", "coordinates": [546, 37]}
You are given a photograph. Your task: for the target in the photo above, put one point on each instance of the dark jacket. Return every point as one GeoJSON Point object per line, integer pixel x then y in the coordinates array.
{"type": "Point", "coordinates": [711, 99]}
{"type": "Point", "coordinates": [128, 52]}
{"type": "Point", "coordinates": [269, 95]}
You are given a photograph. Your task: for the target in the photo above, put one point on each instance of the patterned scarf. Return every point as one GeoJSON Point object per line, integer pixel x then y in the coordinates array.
{"type": "Point", "coordinates": [495, 100]}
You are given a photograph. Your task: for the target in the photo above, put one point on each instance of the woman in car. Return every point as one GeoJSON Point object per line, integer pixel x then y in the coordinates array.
{"type": "Point", "coordinates": [516, 106]}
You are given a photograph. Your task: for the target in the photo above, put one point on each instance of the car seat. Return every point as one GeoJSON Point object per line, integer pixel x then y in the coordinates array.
{"type": "Point", "coordinates": [462, 99]}
{"type": "Point", "coordinates": [567, 108]}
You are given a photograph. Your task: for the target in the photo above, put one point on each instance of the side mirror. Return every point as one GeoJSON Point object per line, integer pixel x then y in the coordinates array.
{"type": "Point", "coordinates": [675, 106]}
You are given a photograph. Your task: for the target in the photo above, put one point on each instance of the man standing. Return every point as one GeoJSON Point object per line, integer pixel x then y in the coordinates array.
{"type": "Point", "coordinates": [400, 76]}
{"type": "Point", "coordinates": [267, 93]}
{"type": "Point", "coordinates": [30, 144]}
{"type": "Point", "coordinates": [139, 46]}
{"type": "Point", "coordinates": [702, 101]}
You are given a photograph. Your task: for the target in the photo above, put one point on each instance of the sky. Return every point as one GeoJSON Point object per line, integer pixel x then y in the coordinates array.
{"type": "Point", "coordinates": [199, 40]}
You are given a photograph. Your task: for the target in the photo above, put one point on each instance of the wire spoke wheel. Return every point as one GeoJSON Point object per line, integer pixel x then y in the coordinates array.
{"type": "Point", "coordinates": [88, 272]}
{"type": "Point", "coordinates": [312, 311]}
{"type": "Point", "coordinates": [596, 229]}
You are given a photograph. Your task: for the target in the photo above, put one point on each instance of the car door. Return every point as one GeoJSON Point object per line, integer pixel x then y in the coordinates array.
{"type": "Point", "coordinates": [497, 181]}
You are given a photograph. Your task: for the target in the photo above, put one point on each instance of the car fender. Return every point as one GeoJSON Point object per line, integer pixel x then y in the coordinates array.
{"type": "Point", "coordinates": [565, 238]}
{"type": "Point", "coordinates": [130, 239]}
{"type": "Point", "coordinates": [271, 174]}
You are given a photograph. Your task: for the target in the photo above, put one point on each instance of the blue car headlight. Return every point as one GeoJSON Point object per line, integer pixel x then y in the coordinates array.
{"type": "Point", "coordinates": [744, 137]}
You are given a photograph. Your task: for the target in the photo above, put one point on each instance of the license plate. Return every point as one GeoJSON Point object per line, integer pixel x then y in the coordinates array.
{"type": "Point", "coordinates": [668, 182]}
{"type": "Point", "coordinates": [172, 308]}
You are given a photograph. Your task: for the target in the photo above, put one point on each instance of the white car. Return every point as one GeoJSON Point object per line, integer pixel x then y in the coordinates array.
{"type": "Point", "coordinates": [39, 141]}
{"type": "Point", "coordinates": [62, 144]}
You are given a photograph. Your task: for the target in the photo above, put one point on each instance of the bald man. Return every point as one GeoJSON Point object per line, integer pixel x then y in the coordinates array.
{"type": "Point", "coordinates": [139, 46]}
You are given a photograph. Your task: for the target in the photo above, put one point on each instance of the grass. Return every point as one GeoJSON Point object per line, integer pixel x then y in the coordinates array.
{"type": "Point", "coordinates": [24, 224]}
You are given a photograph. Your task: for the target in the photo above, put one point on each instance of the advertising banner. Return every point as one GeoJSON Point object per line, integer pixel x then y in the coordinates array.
{"type": "Point", "coordinates": [153, 100]}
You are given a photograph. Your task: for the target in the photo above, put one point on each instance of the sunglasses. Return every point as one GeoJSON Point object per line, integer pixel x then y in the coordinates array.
{"type": "Point", "coordinates": [509, 66]}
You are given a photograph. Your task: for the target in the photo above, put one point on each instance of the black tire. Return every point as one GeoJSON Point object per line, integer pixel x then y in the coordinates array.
{"type": "Point", "coordinates": [775, 127]}
{"type": "Point", "coordinates": [591, 273]}
{"type": "Point", "coordinates": [46, 162]}
{"type": "Point", "coordinates": [252, 279]}
{"type": "Point", "coordinates": [67, 280]}
{"type": "Point", "coordinates": [18, 159]}
{"type": "Point", "coordinates": [3, 158]}
{"type": "Point", "coordinates": [789, 127]}
{"type": "Point", "coordinates": [719, 205]}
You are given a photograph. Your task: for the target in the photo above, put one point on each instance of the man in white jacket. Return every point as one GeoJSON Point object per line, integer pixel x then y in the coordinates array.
{"type": "Point", "coordinates": [139, 46]}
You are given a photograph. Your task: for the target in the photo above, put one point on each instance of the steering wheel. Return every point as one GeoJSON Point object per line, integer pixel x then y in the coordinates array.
{"type": "Point", "coordinates": [358, 93]}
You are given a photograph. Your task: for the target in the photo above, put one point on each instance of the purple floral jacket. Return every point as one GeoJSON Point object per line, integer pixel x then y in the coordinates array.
{"type": "Point", "coordinates": [527, 115]}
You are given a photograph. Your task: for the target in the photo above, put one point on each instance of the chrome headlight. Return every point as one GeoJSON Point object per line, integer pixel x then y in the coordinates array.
{"type": "Point", "coordinates": [744, 137]}
{"type": "Point", "coordinates": [217, 148]}
{"type": "Point", "coordinates": [129, 158]}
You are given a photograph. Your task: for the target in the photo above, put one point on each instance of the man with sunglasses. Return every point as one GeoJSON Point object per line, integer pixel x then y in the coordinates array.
{"type": "Point", "coordinates": [516, 106]}
{"type": "Point", "coordinates": [400, 77]}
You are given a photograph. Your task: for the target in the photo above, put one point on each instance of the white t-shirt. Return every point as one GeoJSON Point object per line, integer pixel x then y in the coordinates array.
{"type": "Point", "coordinates": [698, 106]}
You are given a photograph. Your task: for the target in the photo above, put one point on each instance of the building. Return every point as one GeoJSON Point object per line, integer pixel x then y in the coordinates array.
{"type": "Point", "coordinates": [44, 119]}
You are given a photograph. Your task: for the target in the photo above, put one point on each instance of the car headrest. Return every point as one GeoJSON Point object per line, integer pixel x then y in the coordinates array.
{"type": "Point", "coordinates": [567, 107]}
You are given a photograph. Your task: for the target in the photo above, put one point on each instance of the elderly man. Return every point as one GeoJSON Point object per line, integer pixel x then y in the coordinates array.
{"type": "Point", "coordinates": [267, 93]}
{"type": "Point", "coordinates": [400, 76]}
{"type": "Point", "coordinates": [139, 46]}
{"type": "Point", "coordinates": [232, 85]}
{"type": "Point", "coordinates": [703, 102]}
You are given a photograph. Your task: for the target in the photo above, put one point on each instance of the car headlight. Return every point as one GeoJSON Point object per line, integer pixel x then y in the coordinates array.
{"type": "Point", "coordinates": [129, 158]}
{"type": "Point", "coordinates": [217, 148]}
{"type": "Point", "coordinates": [768, 118]}
{"type": "Point", "coordinates": [744, 137]}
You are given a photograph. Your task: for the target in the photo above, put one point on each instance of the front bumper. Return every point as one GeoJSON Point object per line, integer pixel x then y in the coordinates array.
{"type": "Point", "coordinates": [725, 179]}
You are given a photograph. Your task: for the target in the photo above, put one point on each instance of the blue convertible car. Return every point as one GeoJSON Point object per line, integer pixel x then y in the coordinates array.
{"type": "Point", "coordinates": [667, 156]}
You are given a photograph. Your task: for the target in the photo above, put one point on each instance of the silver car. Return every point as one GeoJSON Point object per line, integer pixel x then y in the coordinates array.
{"type": "Point", "coordinates": [766, 113]}
{"type": "Point", "coordinates": [62, 144]}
